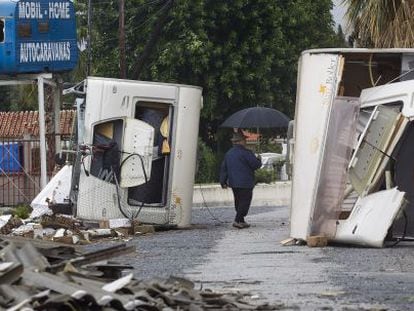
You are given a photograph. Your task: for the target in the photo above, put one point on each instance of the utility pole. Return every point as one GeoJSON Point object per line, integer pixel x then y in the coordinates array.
{"type": "Point", "coordinates": [89, 61]}
{"type": "Point", "coordinates": [122, 52]}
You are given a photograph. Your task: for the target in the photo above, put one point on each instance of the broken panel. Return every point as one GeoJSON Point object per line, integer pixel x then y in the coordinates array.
{"type": "Point", "coordinates": [136, 153]}
{"type": "Point", "coordinates": [337, 153]}
{"type": "Point", "coordinates": [373, 148]}
{"type": "Point", "coordinates": [370, 219]}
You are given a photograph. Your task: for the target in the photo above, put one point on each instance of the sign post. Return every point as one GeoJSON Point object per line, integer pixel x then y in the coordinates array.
{"type": "Point", "coordinates": [39, 38]}
{"type": "Point", "coordinates": [41, 80]}
{"type": "Point", "coordinates": [42, 131]}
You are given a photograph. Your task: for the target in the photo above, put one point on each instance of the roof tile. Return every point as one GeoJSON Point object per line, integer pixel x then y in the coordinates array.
{"type": "Point", "coordinates": [16, 124]}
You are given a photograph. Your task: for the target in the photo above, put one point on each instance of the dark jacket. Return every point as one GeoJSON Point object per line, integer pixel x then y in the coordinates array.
{"type": "Point", "coordinates": [237, 169]}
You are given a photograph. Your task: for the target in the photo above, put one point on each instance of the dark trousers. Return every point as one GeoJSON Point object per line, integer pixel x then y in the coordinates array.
{"type": "Point", "coordinates": [242, 200]}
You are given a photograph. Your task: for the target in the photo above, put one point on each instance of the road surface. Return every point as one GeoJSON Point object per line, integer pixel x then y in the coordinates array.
{"type": "Point", "coordinates": [215, 255]}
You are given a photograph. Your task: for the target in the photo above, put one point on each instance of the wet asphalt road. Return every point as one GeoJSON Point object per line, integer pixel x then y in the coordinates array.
{"type": "Point", "coordinates": [215, 255]}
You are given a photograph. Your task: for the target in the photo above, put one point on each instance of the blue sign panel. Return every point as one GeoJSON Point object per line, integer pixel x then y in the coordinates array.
{"type": "Point", "coordinates": [37, 36]}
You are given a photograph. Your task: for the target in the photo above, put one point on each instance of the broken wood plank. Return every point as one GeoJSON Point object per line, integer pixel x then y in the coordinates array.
{"type": "Point", "coordinates": [317, 241]}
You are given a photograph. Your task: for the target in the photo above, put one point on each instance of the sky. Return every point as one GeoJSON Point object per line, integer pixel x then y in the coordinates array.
{"type": "Point", "coordinates": [338, 13]}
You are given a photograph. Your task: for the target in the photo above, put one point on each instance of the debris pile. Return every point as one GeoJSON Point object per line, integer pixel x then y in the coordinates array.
{"type": "Point", "coordinates": [47, 276]}
{"type": "Point", "coordinates": [67, 229]}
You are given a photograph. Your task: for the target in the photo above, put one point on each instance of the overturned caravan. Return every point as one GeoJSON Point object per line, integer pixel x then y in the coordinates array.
{"type": "Point", "coordinates": [137, 151]}
{"type": "Point", "coordinates": [353, 150]}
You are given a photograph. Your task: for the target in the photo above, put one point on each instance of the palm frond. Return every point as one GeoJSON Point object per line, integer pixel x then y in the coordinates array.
{"type": "Point", "coordinates": [381, 23]}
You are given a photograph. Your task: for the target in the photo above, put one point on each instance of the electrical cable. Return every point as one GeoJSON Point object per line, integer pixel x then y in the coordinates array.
{"type": "Point", "coordinates": [379, 150]}
{"type": "Point", "coordinates": [118, 197]}
{"type": "Point", "coordinates": [149, 19]}
{"type": "Point", "coordinates": [214, 217]}
{"type": "Point", "coordinates": [140, 158]}
{"type": "Point", "coordinates": [401, 75]}
{"type": "Point", "coordinates": [132, 216]}
{"type": "Point", "coordinates": [371, 77]}
{"type": "Point", "coordinates": [27, 174]}
{"type": "Point", "coordinates": [137, 6]}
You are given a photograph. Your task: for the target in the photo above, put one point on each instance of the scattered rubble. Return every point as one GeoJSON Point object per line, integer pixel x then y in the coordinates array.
{"type": "Point", "coordinates": [43, 266]}
{"type": "Point", "coordinates": [8, 223]}
{"type": "Point", "coordinates": [46, 276]}
{"type": "Point", "coordinates": [69, 230]}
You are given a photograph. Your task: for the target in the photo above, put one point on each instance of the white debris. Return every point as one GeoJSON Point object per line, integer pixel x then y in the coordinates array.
{"type": "Point", "coordinates": [49, 232]}
{"type": "Point", "coordinates": [5, 265]}
{"type": "Point", "coordinates": [118, 284]}
{"type": "Point", "coordinates": [37, 231]}
{"type": "Point", "coordinates": [23, 229]}
{"type": "Point", "coordinates": [56, 191]}
{"type": "Point", "coordinates": [4, 219]}
{"type": "Point", "coordinates": [59, 233]}
{"type": "Point", "coordinates": [75, 239]}
{"type": "Point", "coordinates": [119, 223]}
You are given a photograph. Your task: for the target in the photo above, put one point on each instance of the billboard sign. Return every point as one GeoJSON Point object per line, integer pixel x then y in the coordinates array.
{"type": "Point", "coordinates": [37, 36]}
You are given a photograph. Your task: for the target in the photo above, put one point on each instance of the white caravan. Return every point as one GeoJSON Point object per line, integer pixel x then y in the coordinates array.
{"type": "Point", "coordinates": [353, 156]}
{"type": "Point", "coordinates": [138, 143]}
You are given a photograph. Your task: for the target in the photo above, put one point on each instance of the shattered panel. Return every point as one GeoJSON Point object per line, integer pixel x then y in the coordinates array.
{"type": "Point", "coordinates": [337, 154]}
{"type": "Point", "coordinates": [370, 219]}
{"type": "Point", "coordinates": [373, 148]}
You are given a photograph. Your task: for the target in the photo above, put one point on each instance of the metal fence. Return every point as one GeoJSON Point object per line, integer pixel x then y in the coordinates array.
{"type": "Point", "coordinates": [20, 170]}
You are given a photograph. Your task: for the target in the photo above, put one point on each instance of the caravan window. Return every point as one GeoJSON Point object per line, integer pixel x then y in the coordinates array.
{"type": "Point", "coordinates": [107, 141]}
{"type": "Point", "coordinates": [1, 30]}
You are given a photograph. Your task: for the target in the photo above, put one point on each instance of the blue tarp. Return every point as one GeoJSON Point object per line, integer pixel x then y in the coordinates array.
{"type": "Point", "coordinates": [9, 158]}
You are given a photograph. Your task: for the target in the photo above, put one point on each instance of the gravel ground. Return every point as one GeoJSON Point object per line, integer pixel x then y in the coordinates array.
{"type": "Point", "coordinates": [215, 255]}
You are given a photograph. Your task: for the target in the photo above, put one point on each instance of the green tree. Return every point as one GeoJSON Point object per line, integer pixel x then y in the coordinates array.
{"type": "Point", "coordinates": [207, 165]}
{"type": "Point", "coordinates": [5, 98]}
{"type": "Point", "coordinates": [17, 98]}
{"type": "Point", "coordinates": [243, 53]}
{"type": "Point", "coordinates": [381, 23]}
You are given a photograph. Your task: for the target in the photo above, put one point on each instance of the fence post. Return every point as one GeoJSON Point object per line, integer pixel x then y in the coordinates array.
{"type": "Point", "coordinates": [27, 163]}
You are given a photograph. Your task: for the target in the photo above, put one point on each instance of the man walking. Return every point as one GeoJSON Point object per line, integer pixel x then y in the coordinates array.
{"type": "Point", "coordinates": [237, 172]}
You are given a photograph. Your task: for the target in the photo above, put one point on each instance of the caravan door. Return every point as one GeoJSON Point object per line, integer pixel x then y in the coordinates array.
{"type": "Point", "coordinates": [137, 152]}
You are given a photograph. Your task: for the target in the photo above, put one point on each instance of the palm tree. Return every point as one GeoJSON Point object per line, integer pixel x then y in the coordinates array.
{"type": "Point", "coordinates": [381, 23]}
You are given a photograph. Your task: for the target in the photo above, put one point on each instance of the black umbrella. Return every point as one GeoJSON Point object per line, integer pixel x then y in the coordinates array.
{"type": "Point", "coordinates": [256, 117]}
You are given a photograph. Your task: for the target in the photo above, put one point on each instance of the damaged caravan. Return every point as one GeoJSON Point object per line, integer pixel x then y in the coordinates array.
{"type": "Point", "coordinates": [144, 139]}
{"type": "Point", "coordinates": [353, 150]}
{"type": "Point", "coordinates": [136, 156]}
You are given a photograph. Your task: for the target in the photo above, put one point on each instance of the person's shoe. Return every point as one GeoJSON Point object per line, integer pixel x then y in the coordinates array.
{"type": "Point", "coordinates": [245, 224]}
{"type": "Point", "coordinates": [238, 225]}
